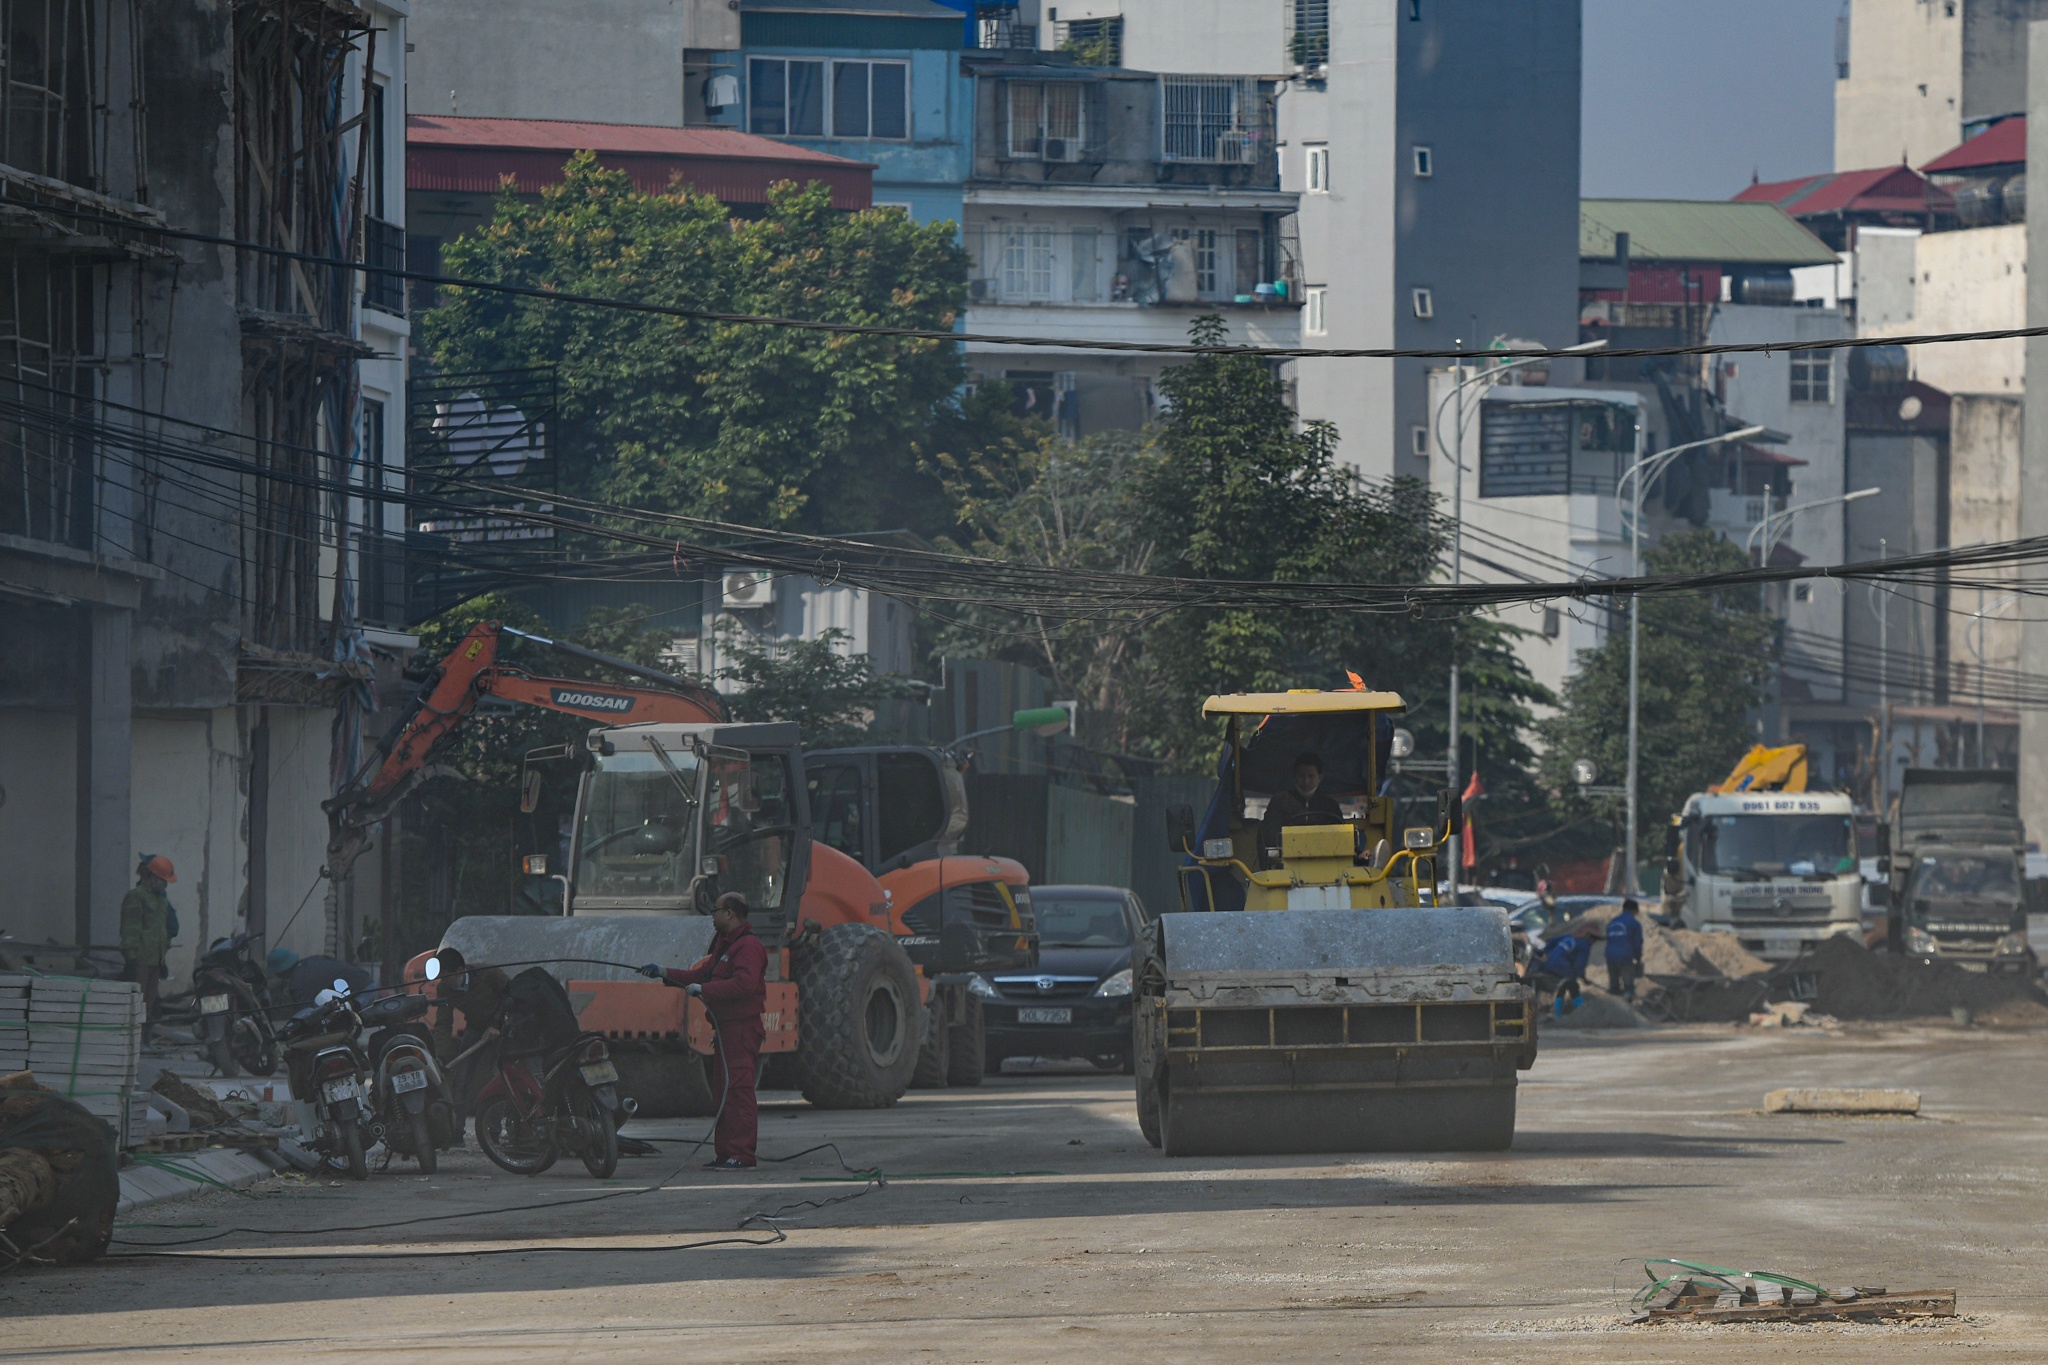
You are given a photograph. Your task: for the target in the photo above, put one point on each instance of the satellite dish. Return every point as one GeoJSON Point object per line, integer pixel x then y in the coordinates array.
{"type": "Point", "coordinates": [1404, 743]}
{"type": "Point", "coordinates": [1585, 772]}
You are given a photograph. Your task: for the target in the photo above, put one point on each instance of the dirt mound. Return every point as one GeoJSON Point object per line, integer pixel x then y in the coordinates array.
{"type": "Point", "coordinates": [1682, 952]}
{"type": "Point", "coordinates": [1597, 1009]}
{"type": "Point", "coordinates": [1852, 982]}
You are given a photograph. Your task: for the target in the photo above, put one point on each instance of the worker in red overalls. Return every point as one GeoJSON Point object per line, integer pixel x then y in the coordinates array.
{"type": "Point", "coordinates": [731, 982]}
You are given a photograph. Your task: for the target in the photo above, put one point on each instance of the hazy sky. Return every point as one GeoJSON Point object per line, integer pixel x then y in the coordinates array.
{"type": "Point", "coordinates": [1684, 98]}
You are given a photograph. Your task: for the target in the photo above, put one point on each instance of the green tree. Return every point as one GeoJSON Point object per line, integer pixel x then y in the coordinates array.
{"type": "Point", "coordinates": [764, 426]}
{"type": "Point", "coordinates": [1706, 658]}
{"type": "Point", "coordinates": [830, 693]}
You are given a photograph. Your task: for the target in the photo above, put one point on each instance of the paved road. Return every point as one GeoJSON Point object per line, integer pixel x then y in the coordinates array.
{"type": "Point", "coordinates": [1630, 1144]}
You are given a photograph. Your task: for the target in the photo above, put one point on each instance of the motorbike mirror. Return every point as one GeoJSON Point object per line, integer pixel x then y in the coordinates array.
{"type": "Point", "coordinates": [324, 998]}
{"type": "Point", "coordinates": [433, 969]}
{"type": "Point", "coordinates": [340, 986]}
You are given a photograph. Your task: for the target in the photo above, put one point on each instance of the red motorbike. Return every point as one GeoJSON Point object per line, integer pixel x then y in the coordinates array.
{"type": "Point", "coordinates": [555, 1088]}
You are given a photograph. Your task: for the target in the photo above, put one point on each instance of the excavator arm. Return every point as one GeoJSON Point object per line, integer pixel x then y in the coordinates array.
{"type": "Point", "coordinates": [1765, 769]}
{"type": "Point", "coordinates": [460, 683]}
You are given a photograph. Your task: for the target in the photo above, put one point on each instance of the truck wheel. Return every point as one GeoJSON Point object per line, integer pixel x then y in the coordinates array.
{"type": "Point", "coordinates": [969, 1044]}
{"type": "Point", "coordinates": [934, 1057]}
{"type": "Point", "coordinates": [857, 1019]}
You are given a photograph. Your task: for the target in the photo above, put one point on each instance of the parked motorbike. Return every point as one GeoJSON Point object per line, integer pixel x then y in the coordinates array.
{"type": "Point", "coordinates": [233, 993]}
{"type": "Point", "coordinates": [411, 1099]}
{"type": "Point", "coordinates": [554, 1088]}
{"type": "Point", "coordinates": [324, 1060]}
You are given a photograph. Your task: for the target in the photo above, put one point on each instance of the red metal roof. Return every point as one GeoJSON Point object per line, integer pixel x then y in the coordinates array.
{"type": "Point", "coordinates": [1882, 189]}
{"type": "Point", "coordinates": [2002, 144]}
{"type": "Point", "coordinates": [476, 155]}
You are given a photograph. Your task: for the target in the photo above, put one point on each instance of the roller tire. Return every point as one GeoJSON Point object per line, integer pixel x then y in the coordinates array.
{"type": "Point", "coordinates": [934, 1056]}
{"type": "Point", "coordinates": [1148, 1109]}
{"type": "Point", "coordinates": [858, 1019]}
{"type": "Point", "coordinates": [969, 1044]}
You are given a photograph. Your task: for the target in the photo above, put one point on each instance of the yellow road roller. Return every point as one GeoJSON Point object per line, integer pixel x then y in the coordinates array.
{"type": "Point", "coordinates": [1312, 994]}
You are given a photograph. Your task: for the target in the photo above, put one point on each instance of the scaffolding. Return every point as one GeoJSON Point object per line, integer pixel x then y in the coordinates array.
{"type": "Point", "coordinates": [293, 191]}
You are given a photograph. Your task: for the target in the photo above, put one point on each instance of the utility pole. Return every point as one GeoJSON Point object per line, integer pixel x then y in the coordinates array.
{"type": "Point", "coordinates": [1457, 563]}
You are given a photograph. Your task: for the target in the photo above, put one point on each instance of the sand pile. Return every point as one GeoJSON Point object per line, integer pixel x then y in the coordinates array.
{"type": "Point", "coordinates": [1682, 952]}
{"type": "Point", "coordinates": [1597, 1009]}
{"type": "Point", "coordinates": [1853, 982]}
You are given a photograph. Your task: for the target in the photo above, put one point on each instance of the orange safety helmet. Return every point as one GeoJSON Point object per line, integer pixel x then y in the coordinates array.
{"type": "Point", "coordinates": [156, 864]}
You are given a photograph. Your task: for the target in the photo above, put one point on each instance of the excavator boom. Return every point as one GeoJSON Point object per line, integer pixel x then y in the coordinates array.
{"type": "Point", "coordinates": [1765, 769]}
{"type": "Point", "coordinates": [461, 682]}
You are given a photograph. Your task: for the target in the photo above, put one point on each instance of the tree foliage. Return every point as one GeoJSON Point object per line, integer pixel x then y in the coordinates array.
{"type": "Point", "coordinates": [1706, 658]}
{"type": "Point", "coordinates": [830, 693]}
{"type": "Point", "coordinates": [765, 426]}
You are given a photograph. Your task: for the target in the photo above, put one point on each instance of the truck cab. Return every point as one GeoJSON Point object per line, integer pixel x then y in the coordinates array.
{"type": "Point", "coordinates": [1776, 869]}
{"type": "Point", "coordinates": [1955, 862]}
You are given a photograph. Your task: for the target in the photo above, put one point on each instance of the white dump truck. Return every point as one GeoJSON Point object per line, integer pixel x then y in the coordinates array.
{"type": "Point", "coordinates": [1760, 857]}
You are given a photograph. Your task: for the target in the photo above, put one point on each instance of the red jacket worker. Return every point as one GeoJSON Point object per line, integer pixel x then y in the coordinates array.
{"type": "Point", "coordinates": [730, 981]}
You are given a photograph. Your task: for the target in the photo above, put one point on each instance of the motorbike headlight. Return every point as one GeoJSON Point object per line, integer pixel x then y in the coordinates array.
{"type": "Point", "coordinates": [981, 986]}
{"type": "Point", "coordinates": [2012, 945]}
{"type": "Point", "coordinates": [1921, 943]}
{"type": "Point", "coordinates": [1119, 984]}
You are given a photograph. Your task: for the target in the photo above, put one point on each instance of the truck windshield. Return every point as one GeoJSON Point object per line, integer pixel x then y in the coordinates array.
{"type": "Point", "coordinates": [1965, 875]}
{"type": "Point", "coordinates": [639, 827]}
{"type": "Point", "coordinates": [1777, 845]}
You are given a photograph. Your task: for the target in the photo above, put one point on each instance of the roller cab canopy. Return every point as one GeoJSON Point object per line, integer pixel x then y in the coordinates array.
{"type": "Point", "coordinates": [1351, 733]}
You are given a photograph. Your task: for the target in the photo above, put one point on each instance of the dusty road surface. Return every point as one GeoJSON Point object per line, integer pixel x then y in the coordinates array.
{"type": "Point", "coordinates": [1028, 1220]}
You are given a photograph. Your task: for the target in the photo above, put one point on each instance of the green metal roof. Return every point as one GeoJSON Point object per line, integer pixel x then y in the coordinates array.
{"type": "Point", "coordinates": [1707, 231]}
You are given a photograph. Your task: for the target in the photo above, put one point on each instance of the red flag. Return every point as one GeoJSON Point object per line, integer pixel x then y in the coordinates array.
{"type": "Point", "coordinates": [1473, 791]}
{"type": "Point", "coordinates": [1357, 683]}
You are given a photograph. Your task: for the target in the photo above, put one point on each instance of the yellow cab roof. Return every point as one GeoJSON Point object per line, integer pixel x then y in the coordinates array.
{"type": "Point", "coordinates": [1300, 703]}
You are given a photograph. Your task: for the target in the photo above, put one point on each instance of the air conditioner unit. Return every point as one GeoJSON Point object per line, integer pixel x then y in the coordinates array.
{"type": "Point", "coordinates": [746, 588]}
{"type": "Point", "coordinates": [1062, 149]}
{"type": "Point", "coordinates": [981, 291]}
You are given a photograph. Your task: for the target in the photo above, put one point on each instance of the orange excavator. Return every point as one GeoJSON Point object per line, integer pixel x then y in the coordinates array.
{"type": "Point", "coordinates": [675, 806]}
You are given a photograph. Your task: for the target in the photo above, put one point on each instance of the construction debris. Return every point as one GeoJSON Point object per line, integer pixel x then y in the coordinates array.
{"type": "Point", "coordinates": [1842, 977]}
{"type": "Point", "coordinates": [1792, 1014]}
{"type": "Point", "coordinates": [1830, 1101]}
{"type": "Point", "coordinates": [1705, 1293]}
{"type": "Point", "coordinates": [59, 1177]}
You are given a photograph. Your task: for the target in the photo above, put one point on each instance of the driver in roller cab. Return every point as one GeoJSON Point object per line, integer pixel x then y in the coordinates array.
{"type": "Point", "coordinates": [1305, 798]}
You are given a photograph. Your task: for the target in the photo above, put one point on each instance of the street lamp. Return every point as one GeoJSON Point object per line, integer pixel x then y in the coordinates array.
{"type": "Point", "coordinates": [1774, 523]}
{"type": "Point", "coordinates": [1644, 472]}
{"type": "Point", "coordinates": [1489, 377]}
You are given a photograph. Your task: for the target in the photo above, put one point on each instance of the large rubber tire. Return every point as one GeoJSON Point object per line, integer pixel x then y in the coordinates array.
{"type": "Point", "coordinates": [352, 1150]}
{"type": "Point", "coordinates": [935, 1055]}
{"type": "Point", "coordinates": [423, 1143]}
{"type": "Point", "coordinates": [969, 1044]}
{"type": "Point", "coordinates": [505, 1142]}
{"type": "Point", "coordinates": [858, 1024]}
{"type": "Point", "coordinates": [1148, 1109]}
{"type": "Point", "coordinates": [601, 1153]}
{"type": "Point", "coordinates": [668, 1085]}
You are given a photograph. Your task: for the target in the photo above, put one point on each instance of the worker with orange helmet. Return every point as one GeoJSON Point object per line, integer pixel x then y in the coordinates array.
{"type": "Point", "coordinates": [146, 928]}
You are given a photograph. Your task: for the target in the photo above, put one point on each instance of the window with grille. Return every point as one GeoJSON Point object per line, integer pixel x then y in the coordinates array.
{"type": "Point", "coordinates": [1028, 264]}
{"type": "Point", "coordinates": [791, 97]}
{"type": "Point", "coordinates": [1308, 33]}
{"type": "Point", "coordinates": [1209, 118]}
{"type": "Point", "coordinates": [1048, 120]}
{"type": "Point", "coordinates": [47, 367]}
{"type": "Point", "coordinates": [1202, 244]}
{"type": "Point", "coordinates": [1813, 377]}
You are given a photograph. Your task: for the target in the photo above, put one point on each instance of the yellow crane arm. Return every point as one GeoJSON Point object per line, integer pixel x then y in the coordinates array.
{"type": "Point", "coordinates": [1764, 769]}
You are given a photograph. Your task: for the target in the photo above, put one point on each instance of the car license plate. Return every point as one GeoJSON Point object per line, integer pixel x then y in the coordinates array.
{"type": "Point", "coordinates": [1781, 945]}
{"type": "Point", "coordinates": [213, 1004]}
{"type": "Point", "coordinates": [337, 1091]}
{"type": "Point", "coordinates": [599, 1073]}
{"type": "Point", "coordinates": [402, 1081]}
{"type": "Point", "coordinates": [1031, 1015]}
